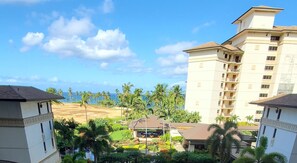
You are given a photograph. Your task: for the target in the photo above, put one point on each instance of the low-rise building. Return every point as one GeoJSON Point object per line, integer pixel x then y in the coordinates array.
{"type": "Point", "coordinates": [279, 124]}
{"type": "Point", "coordinates": [26, 125]}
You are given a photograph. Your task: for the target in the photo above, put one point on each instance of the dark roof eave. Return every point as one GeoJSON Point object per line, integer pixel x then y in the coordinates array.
{"type": "Point", "coordinates": [213, 48]}
{"type": "Point", "coordinates": [235, 21]}
{"type": "Point", "coordinates": [273, 105]}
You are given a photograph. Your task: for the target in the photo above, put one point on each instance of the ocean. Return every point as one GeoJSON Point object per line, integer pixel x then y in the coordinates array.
{"type": "Point", "coordinates": [75, 98]}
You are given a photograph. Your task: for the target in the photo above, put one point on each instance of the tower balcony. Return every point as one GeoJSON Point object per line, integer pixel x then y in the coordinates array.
{"type": "Point", "coordinates": [229, 89]}
{"type": "Point", "coordinates": [228, 80]}
{"type": "Point", "coordinates": [233, 71]}
{"type": "Point", "coordinates": [234, 61]}
{"type": "Point", "coordinates": [229, 98]}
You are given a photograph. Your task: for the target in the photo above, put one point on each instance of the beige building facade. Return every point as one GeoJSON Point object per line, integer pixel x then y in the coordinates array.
{"type": "Point", "coordinates": [259, 61]}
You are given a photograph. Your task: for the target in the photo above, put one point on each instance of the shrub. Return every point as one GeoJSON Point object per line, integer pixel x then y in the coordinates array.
{"type": "Point", "coordinates": [192, 157]}
{"type": "Point", "coordinates": [116, 127]}
{"type": "Point", "coordinates": [177, 139]}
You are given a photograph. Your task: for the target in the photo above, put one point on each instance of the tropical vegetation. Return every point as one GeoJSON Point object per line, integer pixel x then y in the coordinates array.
{"type": "Point", "coordinates": [258, 155]}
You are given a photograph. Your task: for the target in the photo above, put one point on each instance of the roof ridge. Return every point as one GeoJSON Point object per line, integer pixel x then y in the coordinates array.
{"type": "Point", "coordinates": [12, 87]}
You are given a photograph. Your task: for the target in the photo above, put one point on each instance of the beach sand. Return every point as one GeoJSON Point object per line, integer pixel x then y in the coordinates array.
{"type": "Point", "coordinates": [73, 110]}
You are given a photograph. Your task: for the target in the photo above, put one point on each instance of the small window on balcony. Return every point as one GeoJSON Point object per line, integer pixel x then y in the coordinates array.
{"type": "Point", "coordinates": [264, 128]}
{"type": "Point", "coordinates": [272, 48]}
{"type": "Point", "coordinates": [274, 38]}
{"type": "Point", "coordinates": [270, 58]}
{"type": "Point", "coordinates": [268, 67]}
{"type": "Point", "coordinates": [267, 77]}
{"type": "Point", "coordinates": [226, 55]}
{"type": "Point", "coordinates": [265, 86]}
{"type": "Point", "coordinates": [263, 95]}
{"type": "Point", "coordinates": [257, 120]}
{"type": "Point", "coordinates": [259, 112]}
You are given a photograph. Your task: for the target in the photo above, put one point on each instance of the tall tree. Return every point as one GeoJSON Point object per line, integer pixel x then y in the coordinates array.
{"type": "Point", "coordinates": [55, 92]}
{"type": "Point", "coordinates": [234, 118]}
{"type": "Point", "coordinates": [249, 118]}
{"type": "Point", "coordinates": [158, 96]}
{"type": "Point", "coordinates": [194, 117]}
{"type": "Point", "coordinates": [85, 96]}
{"type": "Point", "coordinates": [65, 130]}
{"type": "Point", "coordinates": [220, 118]}
{"type": "Point", "coordinates": [60, 92]}
{"type": "Point", "coordinates": [176, 94]}
{"type": "Point", "coordinates": [95, 137]}
{"type": "Point", "coordinates": [258, 154]}
{"type": "Point", "coordinates": [70, 93]}
{"type": "Point", "coordinates": [222, 140]}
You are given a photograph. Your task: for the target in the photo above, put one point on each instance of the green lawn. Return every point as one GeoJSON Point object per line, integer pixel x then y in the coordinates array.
{"type": "Point", "coordinates": [121, 135]}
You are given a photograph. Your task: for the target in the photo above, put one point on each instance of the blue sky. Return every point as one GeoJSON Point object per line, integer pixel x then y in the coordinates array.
{"type": "Point", "coordinates": [99, 45]}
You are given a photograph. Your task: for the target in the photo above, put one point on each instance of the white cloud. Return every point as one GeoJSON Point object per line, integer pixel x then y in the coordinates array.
{"type": "Point", "coordinates": [103, 64]}
{"type": "Point", "coordinates": [21, 1]}
{"type": "Point", "coordinates": [107, 6]}
{"type": "Point", "coordinates": [54, 79]}
{"type": "Point", "coordinates": [73, 27]}
{"type": "Point", "coordinates": [175, 48]}
{"type": "Point", "coordinates": [173, 60]}
{"type": "Point", "coordinates": [10, 41]}
{"type": "Point", "coordinates": [32, 38]}
{"type": "Point", "coordinates": [105, 45]}
{"type": "Point", "coordinates": [204, 25]}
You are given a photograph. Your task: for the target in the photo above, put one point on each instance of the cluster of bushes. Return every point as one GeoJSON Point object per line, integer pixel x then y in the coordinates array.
{"type": "Point", "coordinates": [161, 157]}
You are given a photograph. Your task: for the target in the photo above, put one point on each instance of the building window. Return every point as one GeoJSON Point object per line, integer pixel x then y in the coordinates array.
{"type": "Point", "coordinates": [47, 107]}
{"type": "Point", "coordinates": [222, 84]}
{"type": "Point", "coordinates": [38, 105]}
{"type": "Point", "coordinates": [265, 86]}
{"type": "Point", "coordinates": [268, 67]}
{"type": "Point", "coordinates": [50, 125]}
{"type": "Point", "coordinates": [220, 93]}
{"type": "Point", "coordinates": [53, 144]}
{"type": "Point", "coordinates": [264, 128]}
{"type": "Point", "coordinates": [224, 66]}
{"type": "Point", "coordinates": [219, 103]}
{"type": "Point", "coordinates": [272, 48]}
{"type": "Point", "coordinates": [274, 133]}
{"type": "Point", "coordinates": [226, 55]}
{"type": "Point", "coordinates": [41, 127]}
{"type": "Point", "coordinates": [274, 38]}
{"type": "Point", "coordinates": [263, 95]}
{"type": "Point", "coordinates": [259, 112]}
{"type": "Point", "coordinates": [267, 114]}
{"type": "Point", "coordinates": [270, 58]}
{"type": "Point", "coordinates": [44, 146]}
{"type": "Point", "coordinates": [279, 114]}
{"type": "Point", "coordinates": [223, 75]}
{"type": "Point", "coordinates": [257, 120]}
{"type": "Point", "coordinates": [267, 77]}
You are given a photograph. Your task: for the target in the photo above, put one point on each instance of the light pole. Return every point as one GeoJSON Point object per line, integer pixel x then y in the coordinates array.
{"type": "Point", "coordinates": [146, 149]}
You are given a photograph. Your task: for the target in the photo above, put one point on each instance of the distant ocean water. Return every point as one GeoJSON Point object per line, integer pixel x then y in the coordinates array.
{"type": "Point", "coordinates": [76, 98]}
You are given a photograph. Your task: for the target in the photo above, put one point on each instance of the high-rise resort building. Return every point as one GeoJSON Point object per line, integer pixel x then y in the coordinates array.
{"type": "Point", "coordinates": [26, 125]}
{"type": "Point", "coordinates": [259, 61]}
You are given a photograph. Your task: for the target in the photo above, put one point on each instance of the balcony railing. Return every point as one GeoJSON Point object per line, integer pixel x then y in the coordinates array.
{"type": "Point", "coordinates": [230, 89]}
{"type": "Point", "coordinates": [231, 80]}
{"type": "Point", "coordinates": [233, 70]}
{"type": "Point", "coordinates": [229, 98]}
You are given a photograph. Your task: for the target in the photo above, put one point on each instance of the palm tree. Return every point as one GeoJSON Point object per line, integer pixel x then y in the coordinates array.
{"type": "Point", "coordinates": [220, 119]}
{"type": "Point", "coordinates": [249, 118]}
{"type": "Point", "coordinates": [65, 130]}
{"type": "Point", "coordinates": [95, 137]}
{"type": "Point", "coordinates": [258, 154]}
{"type": "Point", "coordinates": [176, 94]}
{"type": "Point", "coordinates": [234, 118]}
{"type": "Point", "coordinates": [194, 117]}
{"type": "Point", "coordinates": [55, 92]}
{"type": "Point", "coordinates": [85, 96]}
{"type": "Point", "coordinates": [222, 140]}
{"type": "Point", "coordinates": [60, 92]}
{"type": "Point", "coordinates": [159, 94]}
{"type": "Point", "coordinates": [70, 93]}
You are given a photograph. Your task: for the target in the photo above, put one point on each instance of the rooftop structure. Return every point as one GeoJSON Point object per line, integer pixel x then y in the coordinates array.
{"type": "Point", "coordinates": [259, 61]}
{"type": "Point", "coordinates": [26, 125]}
